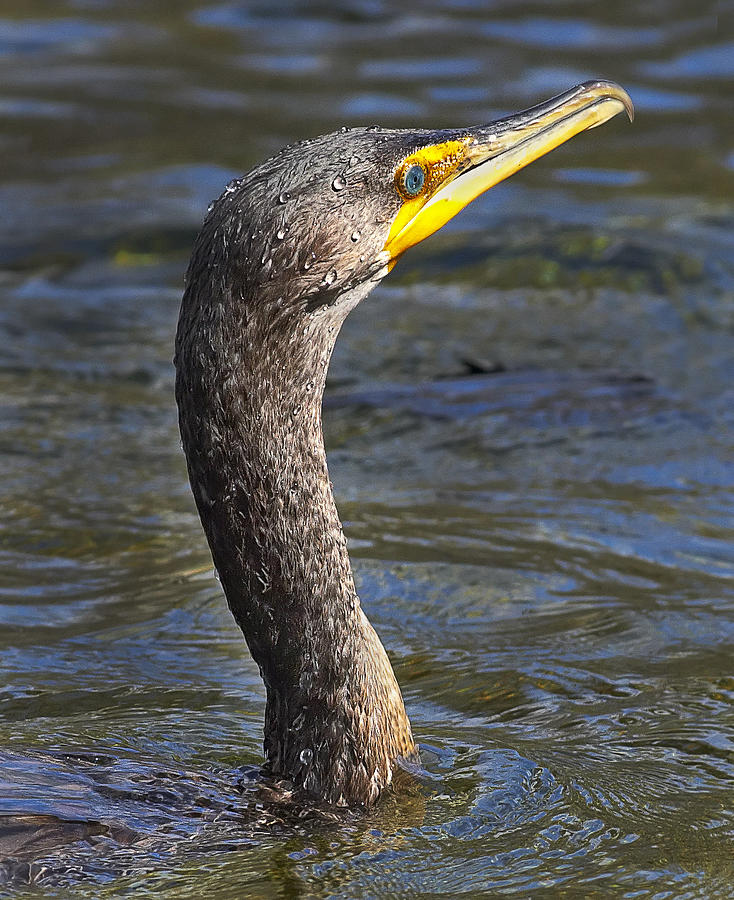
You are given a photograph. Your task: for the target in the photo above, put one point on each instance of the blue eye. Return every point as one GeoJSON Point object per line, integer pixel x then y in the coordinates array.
{"type": "Point", "coordinates": [413, 180]}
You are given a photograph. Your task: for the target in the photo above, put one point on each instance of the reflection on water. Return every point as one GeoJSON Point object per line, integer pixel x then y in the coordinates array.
{"type": "Point", "coordinates": [545, 550]}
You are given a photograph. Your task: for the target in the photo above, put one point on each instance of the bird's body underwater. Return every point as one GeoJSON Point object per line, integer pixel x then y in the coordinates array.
{"type": "Point", "coordinates": [284, 254]}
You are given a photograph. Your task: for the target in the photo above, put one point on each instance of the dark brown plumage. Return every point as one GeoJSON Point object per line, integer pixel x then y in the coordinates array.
{"type": "Point", "coordinates": [282, 257]}
{"type": "Point", "coordinates": [258, 324]}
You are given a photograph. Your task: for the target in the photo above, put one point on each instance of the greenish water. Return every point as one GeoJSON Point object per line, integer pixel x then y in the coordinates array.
{"type": "Point", "coordinates": [546, 551]}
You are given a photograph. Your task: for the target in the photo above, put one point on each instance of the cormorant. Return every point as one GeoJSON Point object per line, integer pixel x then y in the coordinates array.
{"type": "Point", "coordinates": [283, 255]}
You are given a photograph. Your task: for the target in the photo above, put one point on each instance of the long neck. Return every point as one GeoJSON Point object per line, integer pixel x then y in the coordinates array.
{"type": "Point", "coordinates": [249, 396]}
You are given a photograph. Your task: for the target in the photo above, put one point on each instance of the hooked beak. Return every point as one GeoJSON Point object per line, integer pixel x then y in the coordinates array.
{"type": "Point", "coordinates": [496, 151]}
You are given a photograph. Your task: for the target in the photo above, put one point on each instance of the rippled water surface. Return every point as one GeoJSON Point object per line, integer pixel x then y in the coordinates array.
{"type": "Point", "coordinates": [530, 435]}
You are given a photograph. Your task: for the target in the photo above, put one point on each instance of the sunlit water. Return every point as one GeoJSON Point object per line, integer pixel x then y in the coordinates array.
{"type": "Point", "coordinates": [546, 550]}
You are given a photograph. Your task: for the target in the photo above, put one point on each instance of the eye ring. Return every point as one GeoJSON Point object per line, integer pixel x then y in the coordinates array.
{"type": "Point", "coordinates": [413, 180]}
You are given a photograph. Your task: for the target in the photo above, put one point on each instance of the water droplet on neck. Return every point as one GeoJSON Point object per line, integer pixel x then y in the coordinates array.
{"type": "Point", "coordinates": [356, 235]}
{"type": "Point", "coordinates": [280, 233]}
{"type": "Point", "coordinates": [284, 197]}
{"type": "Point", "coordinates": [305, 756]}
{"type": "Point", "coordinates": [309, 261]}
{"type": "Point", "coordinates": [339, 183]}
{"type": "Point", "coordinates": [330, 277]}
{"type": "Point", "coordinates": [344, 129]}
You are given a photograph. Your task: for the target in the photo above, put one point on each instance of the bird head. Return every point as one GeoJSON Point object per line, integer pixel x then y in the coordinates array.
{"type": "Point", "coordinates": [325, 219]}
